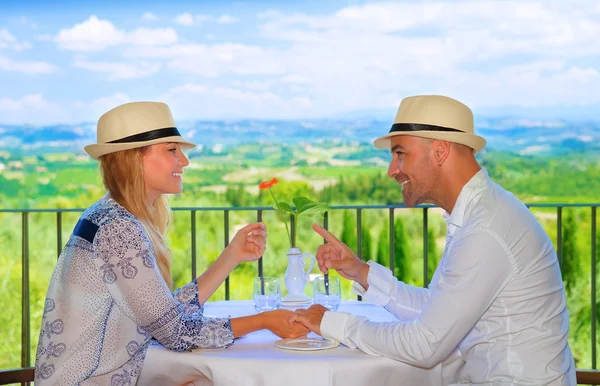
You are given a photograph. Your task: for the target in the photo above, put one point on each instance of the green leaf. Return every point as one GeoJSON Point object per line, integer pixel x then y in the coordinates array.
{"type": "Point", "coordinates": [300, 202]}
{"type": "Point", "coordinates": [285, 208]}
{"type": "Point", "coordinates": [313, 207]}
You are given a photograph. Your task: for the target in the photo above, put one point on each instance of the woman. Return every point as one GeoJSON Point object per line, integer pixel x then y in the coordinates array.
{"type": "Point", "coordinates": [110, 293]}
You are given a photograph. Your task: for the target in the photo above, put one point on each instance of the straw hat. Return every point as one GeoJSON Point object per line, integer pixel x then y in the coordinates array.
{"type": "Point", "coordinates": [436, 117]}
{"type": "Point", "coordinates": [134, 125]}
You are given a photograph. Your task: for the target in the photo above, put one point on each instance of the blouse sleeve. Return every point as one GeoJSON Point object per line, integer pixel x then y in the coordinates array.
{"type": "Point", "coordinates": [125, 260]}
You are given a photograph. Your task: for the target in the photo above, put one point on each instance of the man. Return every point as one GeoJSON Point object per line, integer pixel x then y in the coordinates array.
{"type": "Point", "coordinates": [495, 311]}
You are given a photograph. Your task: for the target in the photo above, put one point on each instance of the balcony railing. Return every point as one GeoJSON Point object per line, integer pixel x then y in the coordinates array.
{"type": "Point", "coordinates": [358, 209]}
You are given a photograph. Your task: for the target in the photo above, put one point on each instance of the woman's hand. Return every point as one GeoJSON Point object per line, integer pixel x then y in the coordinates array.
{"type": "Point", "coordinates": [279, 322]}
{"type": "Point", "coordinates": [248, 244]}
{"type": "Point", "coordinates": [310, 318]}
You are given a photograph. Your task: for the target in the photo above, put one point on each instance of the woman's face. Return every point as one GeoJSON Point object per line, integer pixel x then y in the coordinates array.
{"type": "Point", "coordinates": [163, 169]}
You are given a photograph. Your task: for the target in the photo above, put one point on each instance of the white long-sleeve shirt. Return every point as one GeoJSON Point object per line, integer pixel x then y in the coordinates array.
{"type": "Point", "coordinates": [496, 299]}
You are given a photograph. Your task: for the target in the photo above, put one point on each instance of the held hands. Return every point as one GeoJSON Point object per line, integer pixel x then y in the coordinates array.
{"type": "Point", "coordinates": [336, 255]}
{"type": "Point", "coordinates": [279, 323]}
{"type": "Point", "coordinates": [248, 244]}
{"type": "Point", "coordinates": [310, 318]}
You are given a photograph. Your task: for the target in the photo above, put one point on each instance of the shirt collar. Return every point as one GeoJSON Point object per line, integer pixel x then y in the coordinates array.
{"type": "Point", "coordinates": [456, 218]}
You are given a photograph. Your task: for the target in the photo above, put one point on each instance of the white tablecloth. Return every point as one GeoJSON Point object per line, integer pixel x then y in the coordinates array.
{"type": "Point", "coordinates": [254, 360]}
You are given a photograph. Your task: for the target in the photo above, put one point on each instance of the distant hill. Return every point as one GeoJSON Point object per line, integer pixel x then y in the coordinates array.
{"type": "Point", "coordinates": [516, 135]}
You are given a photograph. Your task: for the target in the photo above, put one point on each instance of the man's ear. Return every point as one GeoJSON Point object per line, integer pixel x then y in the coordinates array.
{"type": "Point", "coordinates": [441, 151]}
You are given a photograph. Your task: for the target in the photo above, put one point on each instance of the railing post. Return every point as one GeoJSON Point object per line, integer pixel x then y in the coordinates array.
{"type": "Point", "coordinates": [359, 238]}
{"type": "Point", "coordinates": [392, 241]}
{"type": "Point", "coordinates": [559, 235]}
{"type": "Point", "coordinates": [359, 233]}
{"type": "Point", "coordinates": [594, 278]}
{"type": "Point", "coordinates": [25, 333]}
{"type": "Point", "coordinates": [425, 249]}
{"type": "Point", "coordinates": [193, 231]}
{"type": "Point", "coordinates": [292, 227]}
{"type": "Point", "coordinates": [260, 261]}
{"type": "Point", "coordinates": [58, 233]}
{"type": "Point", "coordinates": [226, 215]}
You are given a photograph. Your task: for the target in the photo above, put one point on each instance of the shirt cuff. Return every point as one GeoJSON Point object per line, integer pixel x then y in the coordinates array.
{"type": "Point", "coordinates": [380, 281]}
{"type": "Point", "coordinates": [333, 326]}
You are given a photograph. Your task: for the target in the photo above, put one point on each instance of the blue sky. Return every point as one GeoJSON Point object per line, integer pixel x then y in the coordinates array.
{"type": "Point", "coordinates": [68, 62]}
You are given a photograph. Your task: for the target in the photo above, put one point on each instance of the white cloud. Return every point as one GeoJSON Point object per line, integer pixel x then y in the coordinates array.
{"type": "Point", "coordinates": [44, 38]}
{"type": "Point", "coordinates": [22, 46]}
{"type": "Point", "coordinates": [214, 60]}
{"type": "Point", "coordinates": [475, 29]}
{"type": "Point", "coordinates": [119, 70]}
{"type": "Point", "coordinates": [8, 40]}
{"type": "Point", "coordinates": [35, 101]}
{"type": "Point", "coordinates": [32, 109]}
{"type": "Point", "coordinates": [186, 19]}
{"type": "Point", "coordinates": [95, 34]}
{"type": "Point", "coordinates": [296, 79]}
{"type": "Point", "coordinates": [149, 16]}
{"type": "Point", "coordinates": [255, 85]}
{"type": "Point", "coordinates": [92, 34]}
{"type": "Point", "coordinates": [193, 101]}
{"type": "Point", "coordinates": [370, 56]}
{"type": "Point", "coordinates": [226, 19]}
{"type": "Point", "coordinates": [486, 53]}
{"type": "Point", "coordinates": [26, 21]}
{"type": "Point", "coordinates": [26, 67]}
{"type": "Point", "coordinates": [256, 98]}
{"type": "Point", "coordinates": [152, 37]}
{"type": "Point", "coordinates": [92, 110]}
{"type": "Point", "coordinates": [582, 75]}
{"type": "Point", "coordinates": [188, 88]}
{"type": "Point", "coordinates": [509, 87]}
{"type": "Point", "coordinates": [35, 109]}
{"type": "Point", "coordinates": [6, 36]}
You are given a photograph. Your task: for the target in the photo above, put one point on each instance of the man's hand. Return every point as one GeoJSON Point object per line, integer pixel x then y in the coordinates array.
{"type": "Point", "coordinates": [336, 255]}
{"type": "Point", "coordinates": [248, 244]}
{"type": "Point", "coordinates": [310, 318]}
{"type": "Point", "coordinates": [279, 323]}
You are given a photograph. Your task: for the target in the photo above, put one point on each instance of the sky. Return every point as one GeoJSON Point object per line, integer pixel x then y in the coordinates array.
{"type": "Point", "coordinates": [69, 62]}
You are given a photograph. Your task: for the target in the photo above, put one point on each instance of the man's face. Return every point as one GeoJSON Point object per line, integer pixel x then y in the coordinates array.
{"type": "Point", "coordinates": [412, 165]}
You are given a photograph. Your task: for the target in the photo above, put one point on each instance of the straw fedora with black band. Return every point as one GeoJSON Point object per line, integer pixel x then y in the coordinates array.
{"type": "Point", "coordinates": [133, 125]}
{"type": "Point", "coordinates": [435, 117]}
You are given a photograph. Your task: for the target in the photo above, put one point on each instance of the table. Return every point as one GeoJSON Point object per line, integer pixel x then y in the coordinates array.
{"type": "Point", "coordinates": [253, 360]}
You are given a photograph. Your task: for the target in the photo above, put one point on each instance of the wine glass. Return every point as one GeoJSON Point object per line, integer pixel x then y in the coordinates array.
{"type": "Point", "coordinates": [327, 292]}
{"type": "Point", "coordinates": [267, 294]}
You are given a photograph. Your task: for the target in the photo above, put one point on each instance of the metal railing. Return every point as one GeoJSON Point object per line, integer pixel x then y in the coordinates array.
{"type": "Point", "coordinates": [25, 213]}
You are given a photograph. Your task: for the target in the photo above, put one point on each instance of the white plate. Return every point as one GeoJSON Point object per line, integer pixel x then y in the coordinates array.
{"type": "Point", "coordinates": [296, 298]}
{"type": "Point", "coordinates": [292, 303]}
{"type": "Point", "coordinates": [306, 344]}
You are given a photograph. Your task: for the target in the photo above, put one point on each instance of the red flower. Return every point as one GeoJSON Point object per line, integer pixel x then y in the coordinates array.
{"type": "Point", "coordinates": [302, 205]}
{"type": "Point", "coordinates": [267, 184]}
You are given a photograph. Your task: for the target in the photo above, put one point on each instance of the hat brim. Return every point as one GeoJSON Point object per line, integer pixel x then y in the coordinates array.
{"type": "Point", "coordinates": [475, 142]}
{"type": "Point", "coordinates": [98, 150]}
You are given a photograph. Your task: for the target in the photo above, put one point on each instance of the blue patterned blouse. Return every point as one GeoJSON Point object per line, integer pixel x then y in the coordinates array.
{"type": "Point", "coordinates": [107, 300]}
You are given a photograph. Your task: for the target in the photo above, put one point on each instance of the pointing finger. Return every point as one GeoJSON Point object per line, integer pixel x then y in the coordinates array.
{"type": "Point", "coordinates": [331, 239]}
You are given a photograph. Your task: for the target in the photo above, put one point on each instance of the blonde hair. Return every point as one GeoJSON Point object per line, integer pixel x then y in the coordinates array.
{"type": "Point", "coordinates": [123, 177]}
